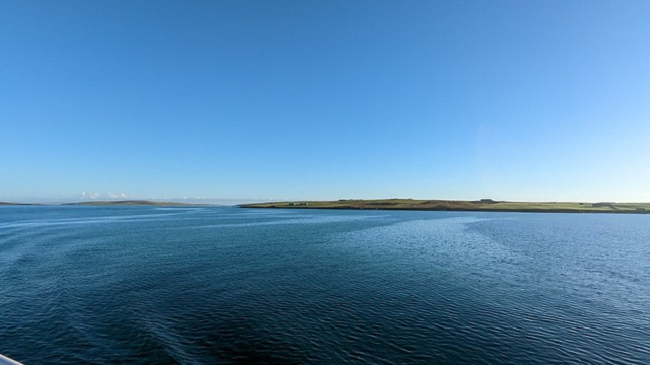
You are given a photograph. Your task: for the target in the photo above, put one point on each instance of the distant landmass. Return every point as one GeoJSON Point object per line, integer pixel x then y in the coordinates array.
{"type": "Point", "coordinates": [136, 202]}
{"type": "Point", "coordinates": [6, 203]}
{"type": "Point", "coordinates": [487, 205]}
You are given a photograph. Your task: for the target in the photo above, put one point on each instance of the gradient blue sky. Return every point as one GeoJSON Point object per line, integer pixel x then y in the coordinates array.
{"type": "Point", "coordinates": [513, 100]}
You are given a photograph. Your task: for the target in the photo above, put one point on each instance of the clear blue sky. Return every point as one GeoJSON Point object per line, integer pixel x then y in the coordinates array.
{"type": "Point", "coordinates": [514, 100]}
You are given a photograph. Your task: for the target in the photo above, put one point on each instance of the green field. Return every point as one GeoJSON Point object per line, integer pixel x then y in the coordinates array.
{"type": "Point", "coordinates": [459, 205]}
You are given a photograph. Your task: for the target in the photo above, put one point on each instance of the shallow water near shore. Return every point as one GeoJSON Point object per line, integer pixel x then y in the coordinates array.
{"type": "Point", "coordinates": [143, 285]}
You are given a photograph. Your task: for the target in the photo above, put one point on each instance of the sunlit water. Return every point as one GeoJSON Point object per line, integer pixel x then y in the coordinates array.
{"type": "Point", "coordinates": [145, 285]}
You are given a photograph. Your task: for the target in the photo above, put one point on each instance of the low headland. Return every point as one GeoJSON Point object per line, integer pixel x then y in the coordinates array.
{"type": "Point", "coordinates": [487, 205]}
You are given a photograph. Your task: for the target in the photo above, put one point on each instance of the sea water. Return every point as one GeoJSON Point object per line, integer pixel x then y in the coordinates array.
{"type": "Point", "coordinates": [208, 285]}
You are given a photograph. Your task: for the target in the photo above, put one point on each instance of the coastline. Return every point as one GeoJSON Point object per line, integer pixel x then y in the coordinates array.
{"type": "Point", "coordinates": [485, 205]}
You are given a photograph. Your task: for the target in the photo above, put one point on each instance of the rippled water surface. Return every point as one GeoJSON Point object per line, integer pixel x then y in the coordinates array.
{"type": "Point", "coordinates": [145, 285]}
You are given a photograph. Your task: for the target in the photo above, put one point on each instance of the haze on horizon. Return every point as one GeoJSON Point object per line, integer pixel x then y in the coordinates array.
{"type": "Point", "coordinates": [319, 100]}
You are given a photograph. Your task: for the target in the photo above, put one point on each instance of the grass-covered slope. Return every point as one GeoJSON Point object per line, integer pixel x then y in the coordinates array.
{"type": "Point", "coordinates": [458, 205]}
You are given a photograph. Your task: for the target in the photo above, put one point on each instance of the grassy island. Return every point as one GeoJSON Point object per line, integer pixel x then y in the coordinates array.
{"type": "Point", "coordinates": [487, 205]}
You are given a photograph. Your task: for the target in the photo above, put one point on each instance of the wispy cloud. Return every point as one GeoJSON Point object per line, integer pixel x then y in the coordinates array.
{"type": "Point", "coordinates": [100, 196]}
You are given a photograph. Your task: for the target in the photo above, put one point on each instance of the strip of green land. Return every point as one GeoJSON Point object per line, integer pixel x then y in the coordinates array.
{"type": "Point", "coordinates": [487, 205]}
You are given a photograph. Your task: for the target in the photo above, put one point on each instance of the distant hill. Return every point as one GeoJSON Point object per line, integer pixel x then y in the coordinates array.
{"type": "Point", "coordinates": [5, 203]}
{"type": "Point", "coordinates": [487, 205]}
{"type": "Point", "coordinates": [135, 202]}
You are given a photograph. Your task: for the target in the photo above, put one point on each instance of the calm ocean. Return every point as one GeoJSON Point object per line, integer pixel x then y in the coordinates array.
{"type": "Point", "coordinates": [147, 285]}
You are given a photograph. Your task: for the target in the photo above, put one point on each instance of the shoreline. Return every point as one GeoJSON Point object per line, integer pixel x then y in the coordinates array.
{"type": "Point", "coordinates": [484, 205]}
{"type": "Point", "coordinates": [461, 210]}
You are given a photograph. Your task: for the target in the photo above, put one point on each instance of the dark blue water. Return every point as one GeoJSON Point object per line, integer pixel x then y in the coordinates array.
{"type": "Point", "coordinates": [145, 285]}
